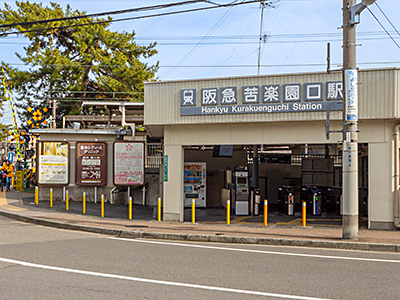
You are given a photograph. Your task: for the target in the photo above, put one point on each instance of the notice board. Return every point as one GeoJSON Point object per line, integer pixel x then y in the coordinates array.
{"type": "Point", "coordinates": [53, 163]}
{"type": "Point", "coordinates": [91, 163]}
{"type": "Point", "coordinates": [129, 163]}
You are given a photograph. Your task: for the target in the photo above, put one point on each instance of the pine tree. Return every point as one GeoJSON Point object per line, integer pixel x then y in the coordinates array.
{"type": "Point", "coordinates": [74, 63]}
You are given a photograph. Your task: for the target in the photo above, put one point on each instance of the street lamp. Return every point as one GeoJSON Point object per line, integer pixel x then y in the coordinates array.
{"type": "Point", "coordinates": [351, 17]}
{"type": "Point", "coordinates": [357, 9]}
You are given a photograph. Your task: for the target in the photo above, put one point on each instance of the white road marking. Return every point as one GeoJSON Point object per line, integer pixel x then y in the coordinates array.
{"type": "Point", "coordinates": [153, 281]}
{"type": "Point", "coordinates": [255, 251]}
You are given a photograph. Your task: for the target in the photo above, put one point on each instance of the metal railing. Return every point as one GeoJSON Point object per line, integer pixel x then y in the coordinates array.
{"type": "Point", "coordinates": [153, 155]}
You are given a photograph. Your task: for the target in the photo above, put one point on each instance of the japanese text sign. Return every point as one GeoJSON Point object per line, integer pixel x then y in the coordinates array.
{"type": "Point", "coordinates": [129, 163]}
{"type": "Point", "coordinates": [91, 163]}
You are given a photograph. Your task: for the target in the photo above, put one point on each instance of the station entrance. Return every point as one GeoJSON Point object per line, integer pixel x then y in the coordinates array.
{"type": "Point", "coordinates": [285, 175]}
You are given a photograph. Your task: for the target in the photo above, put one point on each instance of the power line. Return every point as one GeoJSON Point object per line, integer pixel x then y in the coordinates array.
{"type": "Point", "coordinates": [131, 18]}
{"type": "Point", "coordinates": [235, 42]}
{"type": "Point", "coordinates": [213, 66]}
{"type": "Point", "coordinates": [398, 46]}
{"type": "Point", "coordinates": [198, 44]}
{"type": "Point", "coordinates": [147, 8]}
{"type": "Point", "coordinates": [250, 36]}
{"type": "Point", "coordinates": [387, 18]}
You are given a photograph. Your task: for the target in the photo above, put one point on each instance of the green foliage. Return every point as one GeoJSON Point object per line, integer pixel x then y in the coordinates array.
{"type": "Point", "coordinates": [90, 59]}
{"type": "Point", "coordinates": [4, 129]}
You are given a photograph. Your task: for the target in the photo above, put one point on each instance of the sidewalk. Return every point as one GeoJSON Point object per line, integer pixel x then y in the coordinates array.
{"type": "Point", "coordinates": [20, 206]}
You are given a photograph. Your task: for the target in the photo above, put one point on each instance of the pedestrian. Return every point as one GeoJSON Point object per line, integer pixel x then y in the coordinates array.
{"type": "Point", "coordinates": [9, 170]}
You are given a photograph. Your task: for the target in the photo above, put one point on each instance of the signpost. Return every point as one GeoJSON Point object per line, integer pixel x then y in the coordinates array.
{"type": "Point", "coordinates": [165, 168]}
{"type": "Point", "coordinates": [91, 163]}
{"type": "Point", "coordinates": [129, 163]}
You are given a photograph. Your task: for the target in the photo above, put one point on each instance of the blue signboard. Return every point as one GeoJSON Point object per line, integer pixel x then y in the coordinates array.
{"type": "Point", "coordinates": [11, 156]}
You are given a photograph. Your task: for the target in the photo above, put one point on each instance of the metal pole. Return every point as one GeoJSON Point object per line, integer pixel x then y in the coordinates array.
{"type": "Point", "coordinates": [51, 197]}
{"type": "Point", "coordinates": [193, 211]}
{"type": "Point", "coordinates": [102, 205]}
{"type": "Point", "coordinates": [304, 213]}
{"type": "Point", "coordinates": [350, 122]}
{"type": "Point", "coordinates": [159, 209]}
{"type": "Point", "coordinates": [84, 203]}
{"type": "Point", "coordinates": [265, 212]}
{"type": "Point", "coordinates": [130, 208]}
{"type": "Point", "coordinates": [228, 212]}
{"type": "Point", "coordinates": [66, 200]}
{"type": "Point", "coordinates": [95, 194]}
{"type": "Point", "coordinates": [36, 195]}
{"type": "Point", "coordinates": [53, 121]}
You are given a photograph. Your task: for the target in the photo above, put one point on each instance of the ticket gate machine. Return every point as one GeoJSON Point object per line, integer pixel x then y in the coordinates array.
{"type": "Point", "coordinates": [241, 191]}
{"type": "Point", "coordinates": [313, 197]}
{"type": "Point", "coordinates": [286, 200]}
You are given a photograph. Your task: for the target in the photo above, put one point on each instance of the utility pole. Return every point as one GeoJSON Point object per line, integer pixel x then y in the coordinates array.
{"type": "Point", "coordinates": [351, 17]}
{"type": "Point", "coordinates": [261, 38]}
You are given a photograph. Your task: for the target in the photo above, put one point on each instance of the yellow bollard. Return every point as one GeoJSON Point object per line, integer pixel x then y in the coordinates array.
{"type": "Point", "coordinates": [304, 212]}
{"type": "Point", "coordinates": [51, 197]}
{"type": "Point", "coordinates": [159, 209]}
{"type": "Point", "coordinates": [66, 200]}
{"type": "Point", "coordinates": [193, 211]}
{"type": "Point", "coordinates": [130, 208]}
{"type": "Point", "coordinates": [102, 205]}
{"type": "Point", "coordinates": [84, 203]}
{"type": "Point", "coordinates": [36, 195]}
{"type": "Point", "coordinates": [265, 212]}
{"type": "Point", "coordinates": [228, 212]}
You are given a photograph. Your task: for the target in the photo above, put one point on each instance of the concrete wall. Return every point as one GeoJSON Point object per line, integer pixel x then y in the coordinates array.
{"type": "Point", "coordinates": [173, 188]}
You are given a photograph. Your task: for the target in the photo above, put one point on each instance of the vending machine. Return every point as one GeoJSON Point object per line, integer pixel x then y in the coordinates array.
{"type": "Point", "coordinates": [194, 181]}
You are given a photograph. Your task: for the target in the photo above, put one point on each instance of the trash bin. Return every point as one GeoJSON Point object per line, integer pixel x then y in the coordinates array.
{"type": "Point", "coordinates": [286, 200]}
{"type": "Point", "coordinates": [313, 198]}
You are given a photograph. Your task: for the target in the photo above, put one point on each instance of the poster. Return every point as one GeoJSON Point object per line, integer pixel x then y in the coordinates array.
{"type": "Point", "coordinates": [91, 163]}
{"type": "Point", "coordinates": [351, 90]}
{"type": "Point", "coordinates": [53, 163]}
{"type": "Point", "coordinates": [129, 163]}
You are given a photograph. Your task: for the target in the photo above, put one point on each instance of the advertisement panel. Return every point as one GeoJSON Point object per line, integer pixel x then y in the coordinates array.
{"type": "Point", "coordinates": [53, 166]}
{"type": "Point", "coordinates": [351, 90]}
{"type": "Point", "coordinates": [129, 163]}
{"type": "Point", "coordinates": [91, 163]}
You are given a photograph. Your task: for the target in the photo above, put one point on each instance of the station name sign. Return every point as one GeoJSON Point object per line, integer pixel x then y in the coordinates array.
{"type": "Point", "coordinates": [272, 98]}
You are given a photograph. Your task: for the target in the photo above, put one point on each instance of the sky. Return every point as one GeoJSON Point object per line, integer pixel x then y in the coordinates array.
{"type": "Point", "coordinates": [224, 42]}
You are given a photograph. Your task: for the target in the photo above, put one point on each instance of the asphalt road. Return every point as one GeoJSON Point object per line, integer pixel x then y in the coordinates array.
{"type": "Point", "coordinates": [38, 262]}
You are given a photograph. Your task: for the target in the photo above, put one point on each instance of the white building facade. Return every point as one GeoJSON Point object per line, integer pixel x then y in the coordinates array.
{"type": "Point", "coordinates": [278, 110]}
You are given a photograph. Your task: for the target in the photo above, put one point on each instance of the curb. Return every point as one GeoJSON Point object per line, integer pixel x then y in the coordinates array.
{"type": "Point", "coordinates": [342, 245]}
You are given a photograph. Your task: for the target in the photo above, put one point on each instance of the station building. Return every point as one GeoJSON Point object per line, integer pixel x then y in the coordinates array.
{"type": "Point", "coordinates": [271, 130]}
